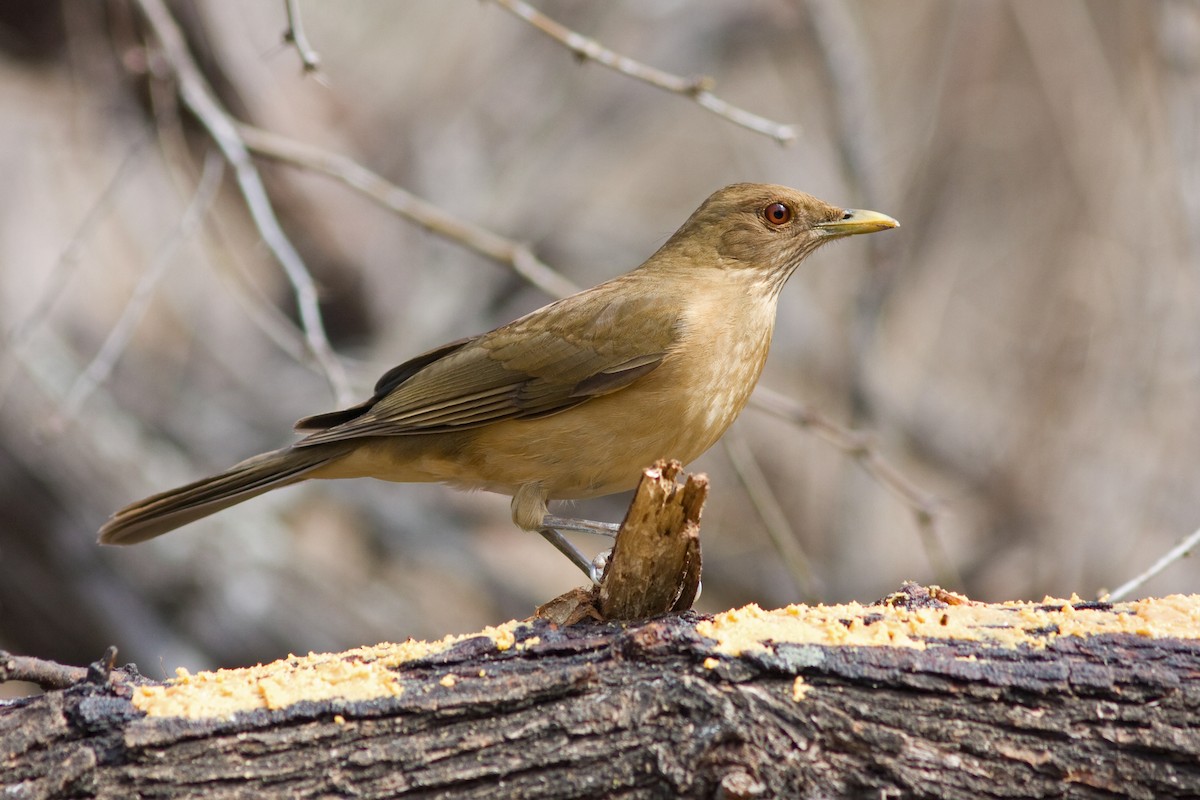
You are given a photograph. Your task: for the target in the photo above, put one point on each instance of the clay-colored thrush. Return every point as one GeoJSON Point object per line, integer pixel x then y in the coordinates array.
{"type": "Point", "coordinates": [572, 400]}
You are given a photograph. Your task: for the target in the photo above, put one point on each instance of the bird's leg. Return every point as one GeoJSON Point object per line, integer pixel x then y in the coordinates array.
{"type": "Point", "coordinates": [529, 513]}
{"type": "Point", "coordinates": [570, 551]}
{"type": "Point", "coordinates": [552, 524]}
{"type": "Point", "coordinates": [581, 525]}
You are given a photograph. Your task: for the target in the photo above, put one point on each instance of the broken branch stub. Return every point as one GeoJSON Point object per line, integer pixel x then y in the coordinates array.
{"type": "Point", "coordinates": [655, 563]}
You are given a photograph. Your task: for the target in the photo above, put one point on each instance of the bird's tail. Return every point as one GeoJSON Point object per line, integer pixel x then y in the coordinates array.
{"type": "Point", "coordinates": [171, 509]}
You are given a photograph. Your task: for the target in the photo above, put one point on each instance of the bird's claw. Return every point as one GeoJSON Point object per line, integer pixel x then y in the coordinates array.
{"type": "Point", "coordinates": [599, 563]}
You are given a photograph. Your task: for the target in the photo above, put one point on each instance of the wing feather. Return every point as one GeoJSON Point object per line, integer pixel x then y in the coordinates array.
{"type": "Point", "coordinates": [562, 355]}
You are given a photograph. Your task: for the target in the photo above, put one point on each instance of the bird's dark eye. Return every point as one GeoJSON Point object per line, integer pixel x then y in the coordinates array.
{"type": "Point", "coordinates": [778, 214]}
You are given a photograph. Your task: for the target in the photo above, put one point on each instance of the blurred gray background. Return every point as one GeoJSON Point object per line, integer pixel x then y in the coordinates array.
{"type": "Point", "coordinates": [1026, 348]}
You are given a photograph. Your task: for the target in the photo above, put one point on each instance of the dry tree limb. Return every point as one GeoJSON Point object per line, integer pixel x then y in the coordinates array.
{"type": "Point", "coordinates": [49, 675]}
{"type": "Point", "coordinates": [1181, 550]}
{"type": "Point", "coordinates": [860, 447]}
{"type": "Point", "coordinates": [39, 671]}
{"type": "Point", "coordinates": [199, 98]}
{"type": "Point", "coordinates": [925, 694]}
{"type": "Point", "coordinates": [345, 169]}
{"type": "Point", "coordinates": [697, 88]}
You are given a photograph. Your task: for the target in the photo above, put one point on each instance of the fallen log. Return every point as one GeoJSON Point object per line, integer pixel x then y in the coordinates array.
{"type": "Point", "coordinates": [925, 694]}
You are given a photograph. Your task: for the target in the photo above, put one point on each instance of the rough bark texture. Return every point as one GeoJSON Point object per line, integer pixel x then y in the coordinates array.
{"type": "Point", "coordinates": [655, 562]}
{"type": "Point", "coordinates": [645, 710]}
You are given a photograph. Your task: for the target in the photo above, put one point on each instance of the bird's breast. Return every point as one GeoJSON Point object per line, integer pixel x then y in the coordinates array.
{"type": "Point", "coordinates": [719, 361]}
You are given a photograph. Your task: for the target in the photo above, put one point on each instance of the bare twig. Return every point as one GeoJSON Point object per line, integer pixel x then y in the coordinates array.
{"type": "Point", "coordinates": [697, 88]}
{"type": "Point", "coordinates": [106, 357]}
{"type": "Point", "coordinates": [198, 97]}
{"type": "Point", "coordinates": [43, 673]}
{"type": "Point", "coordinates": [295, 35]}
{"type": "Point", "coordinates": [780, 531]}
{"type": "Point", "coordinates": [262, 310]}
{"type": "Point", "coordinates": [860, 447]}
{"type": "Point", "coordinates": [1181, 550]}
{"type": "Point", "coordinates": [518, 256]}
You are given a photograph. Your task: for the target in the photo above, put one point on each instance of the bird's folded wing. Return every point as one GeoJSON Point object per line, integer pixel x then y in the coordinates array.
{"type": "Point", "coordinates": [556, 358]}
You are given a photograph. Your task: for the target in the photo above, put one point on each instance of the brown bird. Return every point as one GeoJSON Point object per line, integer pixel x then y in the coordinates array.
{"type": "Point", "coordinates": [572, 400]}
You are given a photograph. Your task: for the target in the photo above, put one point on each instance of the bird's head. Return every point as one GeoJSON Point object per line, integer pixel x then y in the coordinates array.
{"type": "Point", "coordinates": [765, 229]}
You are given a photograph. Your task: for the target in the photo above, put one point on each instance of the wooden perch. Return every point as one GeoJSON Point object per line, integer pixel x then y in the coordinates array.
{"type": "Point", "coordinates": [925, 694]}
{"type": "Point", "coordinates": [654, 567]}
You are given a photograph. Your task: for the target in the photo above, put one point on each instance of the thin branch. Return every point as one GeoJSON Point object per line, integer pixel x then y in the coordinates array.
{"type": "Point", "coordinates": [41, 672]}
{"type": "Point", "coordinates": [860, 447]}
{"type": "Point", "coordinates": [262, 311]}
{"type": "Point", "coordinates": [1179, 551]}
{"type": "Point", "coordinates": [517, 256]}
{"type": "Point", "coordinates": [199, 98]}
{"type": "Point", "coordinates": [295, 35]}
{"type": "Point", "coordinates": [102, 364]}
{"type": "Point", "coordinates": [697, 88]}
{"type": "Point", "coordinates": [780, 531]}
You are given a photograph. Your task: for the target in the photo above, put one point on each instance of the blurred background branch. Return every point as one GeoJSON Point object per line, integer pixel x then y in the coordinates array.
{"type": "Point", "coordinates": [697, 88]}
{"type": "Point", "coordinates": [443, 223]}
{"type": "Point", "coordinates": [197, 95]}
{"type": "Point", "coordinates": [1024, 348]}
{"type": "Point", "coordinates": [295, 36]}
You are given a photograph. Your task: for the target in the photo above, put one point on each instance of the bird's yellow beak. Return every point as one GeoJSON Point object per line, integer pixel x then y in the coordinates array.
{"type": "Point", "coordinates": [857, 220]}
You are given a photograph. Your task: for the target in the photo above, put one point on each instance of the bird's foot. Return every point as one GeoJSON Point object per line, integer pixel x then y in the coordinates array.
{"type": "Point", "coordinates": [570, 551]}
{"type": "Point", "coordinates": [601, 561]}
{"type": "Point", "coordinates": [551, 528]}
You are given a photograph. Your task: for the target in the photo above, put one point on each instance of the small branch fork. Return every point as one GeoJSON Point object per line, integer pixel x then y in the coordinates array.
{"type": "Point", "coordinates": [345, 169]}
{"type": "Point", "coordinates": [49, 675]}
{"type": "Point", "coordinates": [697, 88]}
{"type": "Point", "coordinates": [859, 446]}
{"type": "Point", "coordinates": [199, 98]}
{"type": "Point", "coordinates": [295, 36]}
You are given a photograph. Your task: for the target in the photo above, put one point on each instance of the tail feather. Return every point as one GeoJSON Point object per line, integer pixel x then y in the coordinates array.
{"type": "Point", "coordinates": [174, 508]}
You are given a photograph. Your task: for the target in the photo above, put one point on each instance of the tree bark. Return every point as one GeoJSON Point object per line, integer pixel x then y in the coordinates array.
{"type": "Point", "coordinates": [654, 709]}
